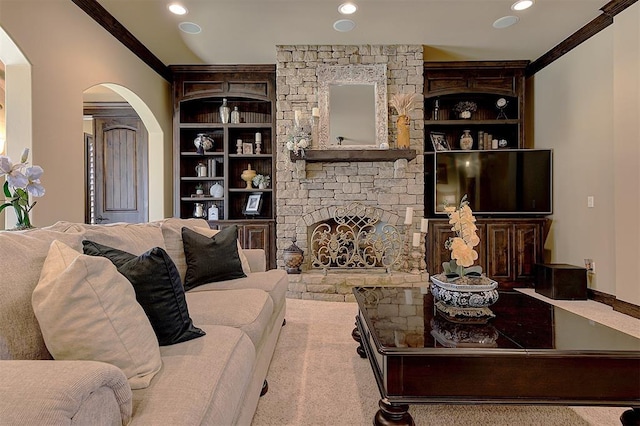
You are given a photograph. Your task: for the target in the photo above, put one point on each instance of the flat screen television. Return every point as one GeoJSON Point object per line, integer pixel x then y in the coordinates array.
{"type": "Point", "coordinates": [501, 182]}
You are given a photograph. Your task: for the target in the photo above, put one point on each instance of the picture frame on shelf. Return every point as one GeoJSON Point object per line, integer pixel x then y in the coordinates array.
{"type": "Point", "coordinates": [254, 204]}
{"type": "Point", "coordinates": [247, 148]}
{"type": "Point", "coordinates": [439, 141]}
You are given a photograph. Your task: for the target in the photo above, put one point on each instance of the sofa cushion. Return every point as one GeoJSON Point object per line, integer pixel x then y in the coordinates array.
{"type": "Point", "coordinates": [88, 311]}
{"type": "Point", "coordinates": [211, 259]}
{"type": "Point", "coordinates": [158, 289]}
{"type": "Point", "coordinates": [247, 309]}
{"type": "Point", "coordinates": [133, 238]}
{"type": "Point", "coordinates": [22, 254]}
{"type": "Point", "coordinates": [172, 233]}
{"type": "Point", "coordinates": [202, 382]}
{"type": "Point", "coordinates": [275, 282]}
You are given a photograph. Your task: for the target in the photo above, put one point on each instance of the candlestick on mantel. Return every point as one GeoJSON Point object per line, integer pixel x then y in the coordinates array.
{"type": "Point", "coordinates": [408, 218]}
{"type": "Point", "coordinates": [416, 239]}
{"type": "Point", "coordinates": [424, 225]}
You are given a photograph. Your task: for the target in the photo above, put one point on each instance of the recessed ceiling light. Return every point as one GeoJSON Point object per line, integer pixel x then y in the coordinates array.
{"type": "Point", "coordinates": [178, 9]}
{"type": "Point", "coordinates": [347, 8]}
{"type": "Point", "coordinates": [505, 21]}
{"type": "Point", "coordinates": [344, 25]}
{"type": "Point", "coordinates": [522, 4]}
{"type": "Point", "coordinates": [190, 28]}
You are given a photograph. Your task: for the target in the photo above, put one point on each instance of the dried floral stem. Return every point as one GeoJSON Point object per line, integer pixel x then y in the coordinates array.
{"type": "Point", "coordinates": [404, 102]}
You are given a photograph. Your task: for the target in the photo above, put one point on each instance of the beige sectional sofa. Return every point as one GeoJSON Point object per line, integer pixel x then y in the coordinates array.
{"type": "Point", "coordinates": [215, 379]}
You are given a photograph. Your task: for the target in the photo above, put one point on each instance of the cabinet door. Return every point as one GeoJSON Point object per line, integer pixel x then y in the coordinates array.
{"type": "Point", "coordinates": [499, 252]}
{"type": "Point", "coordinates": [527, 244]}
{"type": "Point", "coordinates": [256, 236]}
{"type": "Point", "coordinates": [438, 235]}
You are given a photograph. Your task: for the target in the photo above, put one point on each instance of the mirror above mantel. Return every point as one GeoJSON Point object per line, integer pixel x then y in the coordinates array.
{"type": "Point", "coordinates": [352, 100]}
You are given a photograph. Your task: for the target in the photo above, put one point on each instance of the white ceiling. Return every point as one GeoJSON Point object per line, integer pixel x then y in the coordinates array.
{"type": "Point", "coordinates": [247, 31]}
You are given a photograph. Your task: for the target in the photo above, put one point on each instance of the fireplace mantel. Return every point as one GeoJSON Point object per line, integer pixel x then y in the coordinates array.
{"type": "Point", "coordinates": [344, 155]}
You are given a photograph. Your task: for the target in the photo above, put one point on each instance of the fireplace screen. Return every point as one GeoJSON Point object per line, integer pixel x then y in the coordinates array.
{"type": "Point", "coordinates": [355, 238]}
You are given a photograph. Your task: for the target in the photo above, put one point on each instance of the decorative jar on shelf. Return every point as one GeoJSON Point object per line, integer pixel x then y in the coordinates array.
{"type": "Point", "coordinates": [293, 257]}
{"type": "Point", "coordinates": [198, 210]}
{"type": "Point", "coordinates": [235, 115]}
{"type": "Point", "coordinates": [466, 140]}
{"type": "Point", "coordinates": [201, 169]}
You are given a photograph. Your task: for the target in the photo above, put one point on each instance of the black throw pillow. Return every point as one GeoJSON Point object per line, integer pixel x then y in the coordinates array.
{"type": "Point", "coordinates": [158, 288]}
{"type": "Point", "coordinates": [211, 259]}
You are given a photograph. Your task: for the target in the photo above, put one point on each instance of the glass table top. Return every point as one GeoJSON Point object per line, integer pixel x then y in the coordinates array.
{"type": "Point", "coordinates": [405, 319]}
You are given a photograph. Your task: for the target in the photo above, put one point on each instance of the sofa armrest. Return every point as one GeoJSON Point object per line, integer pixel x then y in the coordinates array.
{"type": "Point", "coordinates": [257, 259]}
{"type": "Point", "coordinates": [63, 392]}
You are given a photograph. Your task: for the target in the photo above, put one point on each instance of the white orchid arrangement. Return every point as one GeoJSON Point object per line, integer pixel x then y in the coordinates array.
{"type": "Point", "coordinates": [261, 179]}
{"type": "Point", "coordinates": [462, 245]}
{"type": "Point", "coordinates": [298, 140]}
{"type": "Point", "coordinates": [20, 181]}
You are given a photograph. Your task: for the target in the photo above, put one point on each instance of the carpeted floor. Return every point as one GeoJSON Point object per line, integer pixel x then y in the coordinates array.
{"type": "Point", "coordinates": [316, 378]}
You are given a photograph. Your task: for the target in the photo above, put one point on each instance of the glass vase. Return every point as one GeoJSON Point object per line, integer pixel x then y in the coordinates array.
{"type": "Point", "coordinates": [224, 111]}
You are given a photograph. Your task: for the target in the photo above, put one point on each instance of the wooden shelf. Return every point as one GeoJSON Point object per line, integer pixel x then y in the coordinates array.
{"type": "Point", "coordinates": [344, 155]}
{"type": "Point", "coordinates": [471, 122]}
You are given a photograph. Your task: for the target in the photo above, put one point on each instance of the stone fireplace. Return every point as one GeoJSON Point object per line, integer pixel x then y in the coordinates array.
{"type": "Point", "coordinates": [308, 193]}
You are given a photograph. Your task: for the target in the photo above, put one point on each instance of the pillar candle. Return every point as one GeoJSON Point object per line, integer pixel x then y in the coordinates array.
{"type": "Point", "coordinates": [258, 137]}
{"type": "Point", "coordinates": [296, 117]}
{"type": "Point", "coordinates": [408, 218]}
{"type": "Point", "coordinates": [424, 225]}
{"type": "Point", "coordinates": [416, 239]}
{"type": "Point", "coordinates": [315, 112]}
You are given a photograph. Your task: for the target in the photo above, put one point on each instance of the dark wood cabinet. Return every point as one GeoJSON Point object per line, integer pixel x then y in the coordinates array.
{"type": "Point", "coordinates": [254, 235]}
{"type": "Point", "coordinates": [482, 83]}
{"type": "Point", "coordinates": [508, 249]}
{"type": "Point", "coordinates": [198, 93]}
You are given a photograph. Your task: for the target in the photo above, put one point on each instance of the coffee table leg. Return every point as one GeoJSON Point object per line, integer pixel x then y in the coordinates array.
{"type": "Point", "coordinates": [355, 334]}
{"type": "Point", "coordinates": [631, 417]}
{"type": "Point", "coordinates": [392, 414]}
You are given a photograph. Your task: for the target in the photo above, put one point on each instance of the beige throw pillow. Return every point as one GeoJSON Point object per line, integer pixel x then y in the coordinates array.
{"type": "Point", "coordinates": [88, 311]}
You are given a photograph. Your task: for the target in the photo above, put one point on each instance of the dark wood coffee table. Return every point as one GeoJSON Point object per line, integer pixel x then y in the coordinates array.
{"type": "Point", "coordinates": [531, 353]}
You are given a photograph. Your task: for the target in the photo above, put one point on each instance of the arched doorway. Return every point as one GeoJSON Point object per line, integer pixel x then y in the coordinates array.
{"type": "Point", "coordinates": [123, 169]}
{"type": "Point", "coordinates": [17, 108]}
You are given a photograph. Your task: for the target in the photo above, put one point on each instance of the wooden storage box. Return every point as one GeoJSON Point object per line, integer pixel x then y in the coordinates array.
{"type": "Point", "coordinates": [561, 281]}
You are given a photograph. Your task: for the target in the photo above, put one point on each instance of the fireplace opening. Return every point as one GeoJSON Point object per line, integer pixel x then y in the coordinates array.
{"type": "Point", "coordinates": [355, 238]}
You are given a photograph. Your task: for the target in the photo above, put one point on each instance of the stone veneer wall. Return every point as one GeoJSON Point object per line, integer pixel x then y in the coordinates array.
{"type": "Point", "coordinates": [305, 191]}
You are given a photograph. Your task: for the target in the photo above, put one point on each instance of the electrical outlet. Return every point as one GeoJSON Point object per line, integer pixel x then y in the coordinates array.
{"type": "Point", "coordinates": [590, 201]}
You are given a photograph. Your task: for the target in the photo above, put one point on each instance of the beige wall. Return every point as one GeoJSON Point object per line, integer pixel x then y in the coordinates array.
{"type": "Point", "coordinates": [69, 53]}
{"type": "Point", "coordinates": [586, 109]}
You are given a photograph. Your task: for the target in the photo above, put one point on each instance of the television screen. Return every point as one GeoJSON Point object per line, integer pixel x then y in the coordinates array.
{"type": "Point", "coordinates": [496, 182]}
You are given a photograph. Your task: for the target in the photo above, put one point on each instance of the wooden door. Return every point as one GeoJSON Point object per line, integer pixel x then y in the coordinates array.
{"type": "Point", "coordinates": [121, 170]}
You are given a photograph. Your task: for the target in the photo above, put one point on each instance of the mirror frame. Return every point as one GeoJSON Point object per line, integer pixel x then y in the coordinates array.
{"type": "Point", "coordinates": [375, 75]}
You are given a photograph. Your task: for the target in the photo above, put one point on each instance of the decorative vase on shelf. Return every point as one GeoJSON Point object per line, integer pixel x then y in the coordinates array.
{"type": "Point", "coordinates": [403, 132]}
{"type": "Point", "coordinates": [203, 142]}
{"type": "Point", "coordinates": [248, 175]}
{"type": "Point", "coordinates": [224, 111]}
{"type": "Point", "coordinates": [466, 140]}
{"type": "Point", "coordinates": [235, 116]}
{"type": "Point", "coordinates": [216, 190]}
